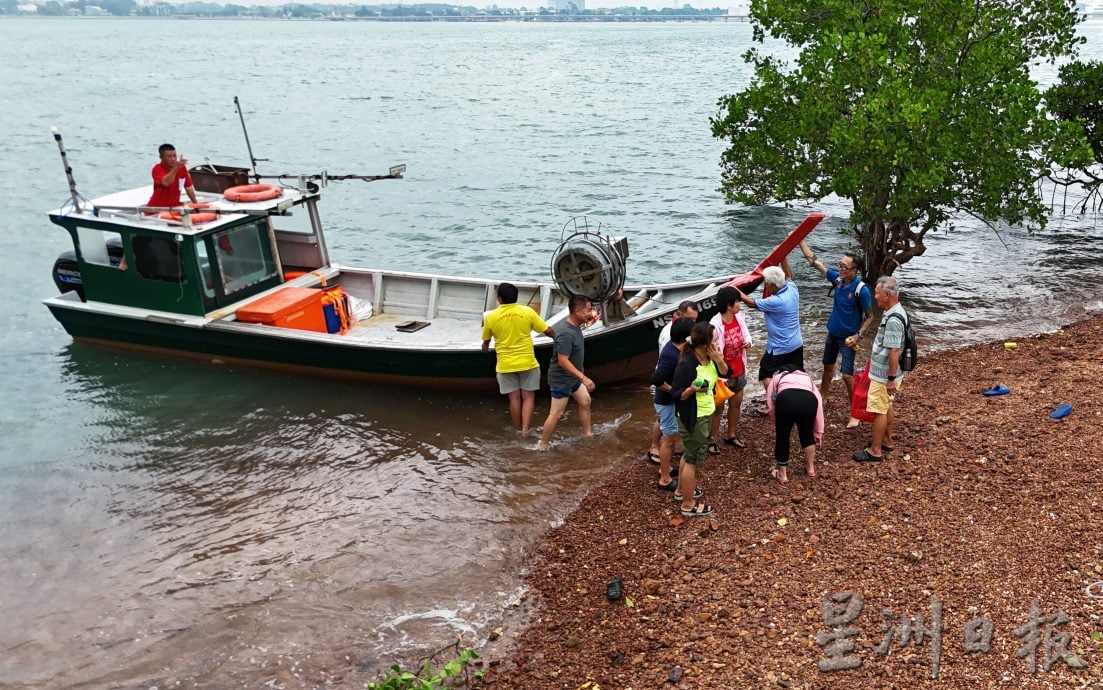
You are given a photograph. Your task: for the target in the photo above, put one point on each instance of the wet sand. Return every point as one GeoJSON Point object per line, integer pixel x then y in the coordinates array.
{"type": "Point", "coordinates": [985, 506]}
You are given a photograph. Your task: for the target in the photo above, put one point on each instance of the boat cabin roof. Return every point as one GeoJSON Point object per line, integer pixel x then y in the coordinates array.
{"type": "Point", "coordinates": [128, 208]}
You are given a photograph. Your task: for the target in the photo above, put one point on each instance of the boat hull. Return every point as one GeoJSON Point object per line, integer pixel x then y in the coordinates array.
{"type": "Point", "coordinates": [618, 351]}
{"type": "Point", "coordinates": [614, 355]}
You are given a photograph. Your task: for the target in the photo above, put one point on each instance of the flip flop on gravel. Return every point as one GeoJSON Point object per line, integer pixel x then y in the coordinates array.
{"type": "Point", "coordinates": [714, 448]}
{"type": "Point", "coordinates": [697, 495]}
{"type": "Point", "coordinates": [997, 390]}
{"type": "Point", "coordinates": [811, 474]}
{"type": "Point", "coordinates": [734, 442]}
{"type": "Point", "coordinates": [653, 457]}
{"type": "Point", "coordinates": [699, 509]}
{"type": "Point", "coordinates": [1061, 412]}
{"type": "Point", "coordinates": [776, 474]}
{"type": "Point", "coordinates": [672, 485]}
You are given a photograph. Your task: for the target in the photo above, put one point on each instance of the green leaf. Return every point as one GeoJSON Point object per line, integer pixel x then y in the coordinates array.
{"type": "Point", "coordinates": [628, 602]}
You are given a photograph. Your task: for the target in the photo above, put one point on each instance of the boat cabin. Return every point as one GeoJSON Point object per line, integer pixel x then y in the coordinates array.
{"type": "Point", "coordinates": [193, 262]}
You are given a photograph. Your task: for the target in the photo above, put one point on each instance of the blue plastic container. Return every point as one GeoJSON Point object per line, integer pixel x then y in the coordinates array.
{"type": "Point", "coordinates": [333, 319]}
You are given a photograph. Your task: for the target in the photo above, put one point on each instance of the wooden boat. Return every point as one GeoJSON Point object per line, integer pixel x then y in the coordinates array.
{"type": "Point", "coordinates": [138, 280]}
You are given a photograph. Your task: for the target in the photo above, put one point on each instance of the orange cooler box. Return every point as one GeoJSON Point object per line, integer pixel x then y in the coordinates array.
{"type": "Point", "coordinates": [291, 307]}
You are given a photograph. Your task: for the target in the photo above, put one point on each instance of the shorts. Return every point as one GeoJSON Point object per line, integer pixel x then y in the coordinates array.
{"type": "Point", "coordinates": [565, 393]}
{"type": "Point", "coordinates": [831, 349]}
{"type": "Point", "coordinates": [519, 380]}
{"type": "Point", "coordinates": [737, 383]}
{"type": "Point", "coordinates": [695, 443]}
{"type": "Point", "coordinates": [786, 361]}
{"type": "Point", "coordinates": [878, 401]}
{"type": "Point", "coordinates": [668, 419]}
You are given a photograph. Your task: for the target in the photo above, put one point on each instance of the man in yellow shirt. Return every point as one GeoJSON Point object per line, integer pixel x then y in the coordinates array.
{"type": "Point", "coordinates": [511, 325]}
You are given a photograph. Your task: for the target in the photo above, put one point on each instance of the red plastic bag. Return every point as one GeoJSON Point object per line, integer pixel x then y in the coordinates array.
{"type": "Point", "coordinates": [861, 395]}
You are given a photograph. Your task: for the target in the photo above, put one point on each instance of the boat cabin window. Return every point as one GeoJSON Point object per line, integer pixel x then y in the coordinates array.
{"type": "Point", "coordinates": [101, 247]}
{"type": "Point", "coordinates": [157, 258]}
{"type": "Point", "coordinates": [206, 277]}
{"type": "Point", "coordinates": [297, 223]}
{"type": "Point", "coordinates": [244, 256]}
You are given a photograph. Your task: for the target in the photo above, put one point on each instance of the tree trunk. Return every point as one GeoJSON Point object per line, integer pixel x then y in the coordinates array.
{"type": "Point", "coordinates": [888, 246]}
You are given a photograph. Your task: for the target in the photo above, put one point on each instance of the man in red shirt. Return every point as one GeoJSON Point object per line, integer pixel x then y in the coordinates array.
{"type": "Point", "coordinates": [170, 177]}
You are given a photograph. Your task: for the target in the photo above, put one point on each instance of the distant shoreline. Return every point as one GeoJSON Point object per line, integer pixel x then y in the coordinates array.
{"type": "Point", "coordinates": [477, 19]}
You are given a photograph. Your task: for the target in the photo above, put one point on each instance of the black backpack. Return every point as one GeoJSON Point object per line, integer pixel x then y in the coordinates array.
{"type": "Point", "coordinates": [909, 352]}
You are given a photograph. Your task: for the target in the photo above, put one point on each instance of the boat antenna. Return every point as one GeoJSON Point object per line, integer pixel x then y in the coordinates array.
{"type": "Point", "coordinates": [68, 169]}
{"type": "Point", "coordinates": [252, 159]}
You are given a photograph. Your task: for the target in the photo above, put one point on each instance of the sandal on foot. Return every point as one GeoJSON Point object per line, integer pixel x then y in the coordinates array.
{"type": "Point", "coordinates": [697, 495]}
{"type": "Point", "coordinates": [885, 448]}
{"type": "Point", "coordinates": [672, 485]}
{"type": "Point", "coordinates": [865, 456]}
{"type": "Point", "coordinates": [699, 509]}
{"type": "Point", "coordinates": [776, 474]}
{"type": "Point", "coordinates": [653, 457]}
{"type": "Point", "coordinates": [734, 442]}
{"type": "Point", "coordinates": [714, 448]}
{"type": "Point", "coordinates": [811, 474]}
{"type": "Point", "coordinates": [762, 411]}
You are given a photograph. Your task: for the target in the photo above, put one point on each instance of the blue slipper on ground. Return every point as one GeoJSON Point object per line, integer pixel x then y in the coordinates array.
{"type": "Point", "coordinates": [1061, 412]}
{"type": "Point", "coordinates": [997, 390]}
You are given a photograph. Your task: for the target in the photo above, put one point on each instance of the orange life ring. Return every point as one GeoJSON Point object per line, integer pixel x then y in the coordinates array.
{"type": "Point", "coordinates": [253, 192]}
{"type": "Point", "coordinates": [196, 218]}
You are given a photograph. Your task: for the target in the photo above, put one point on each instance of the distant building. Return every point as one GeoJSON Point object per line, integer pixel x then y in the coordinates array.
{"type": "Point", "coordinates": [94, 11]}
{"type": "Point", "coordinates": [576, 5]}
{"type": "Point", "coordinates": [29, 8]}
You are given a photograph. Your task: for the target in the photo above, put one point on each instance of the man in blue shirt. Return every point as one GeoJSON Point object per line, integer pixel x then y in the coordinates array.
{"type": "Point", "coordinates": [781, 311]}
{"type": "Point", "coordinates": [851, 315]}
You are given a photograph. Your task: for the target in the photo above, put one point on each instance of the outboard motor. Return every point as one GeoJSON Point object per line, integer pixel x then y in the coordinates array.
{"type": "Point", "coordinates": [67, 271]}
{"type": "Point", "coordinates": [67, 274]}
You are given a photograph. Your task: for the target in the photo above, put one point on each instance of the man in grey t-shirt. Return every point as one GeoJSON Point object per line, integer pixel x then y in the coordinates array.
{"type": "Point", "coordinates": [565, 377]}
{"type": "Point", "coordinates": [885, 373]}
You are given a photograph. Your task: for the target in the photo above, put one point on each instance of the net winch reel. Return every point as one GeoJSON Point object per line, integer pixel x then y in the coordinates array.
{"type": "Point", "coordinates": [592, 263]}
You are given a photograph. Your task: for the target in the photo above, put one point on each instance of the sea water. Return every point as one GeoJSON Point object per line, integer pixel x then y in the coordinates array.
{"type": "Point", "coordinates": [165, 520]}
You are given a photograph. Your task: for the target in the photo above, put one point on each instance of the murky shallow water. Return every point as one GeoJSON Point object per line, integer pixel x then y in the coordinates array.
{"type": "Point", "coordinates": [165, 521]}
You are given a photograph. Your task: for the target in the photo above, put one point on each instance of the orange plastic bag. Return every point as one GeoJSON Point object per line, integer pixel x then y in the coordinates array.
{"type": "Point", "coordinates": [721, 392]}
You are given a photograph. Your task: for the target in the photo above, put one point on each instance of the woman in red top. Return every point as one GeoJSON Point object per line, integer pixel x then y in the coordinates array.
{"type": "Point", "coordinates": [731, 337]}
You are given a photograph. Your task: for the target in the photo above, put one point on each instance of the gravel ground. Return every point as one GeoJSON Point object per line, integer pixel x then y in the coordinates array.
{"type": "Point", "coordinates": [985, 507]}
